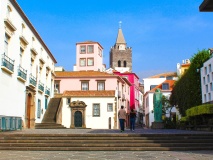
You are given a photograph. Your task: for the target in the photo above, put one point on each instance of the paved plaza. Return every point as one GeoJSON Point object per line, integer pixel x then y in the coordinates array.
{"type": "Point", "coordinates": [105, 155]}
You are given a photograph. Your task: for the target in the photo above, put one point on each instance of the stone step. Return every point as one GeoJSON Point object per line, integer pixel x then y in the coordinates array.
{"type": "Point", "coordinates": [109, 144]}
{"type": "Point", "coordinates": [107, 148]}
{"type": "Point", "coordinates": [105, 142]}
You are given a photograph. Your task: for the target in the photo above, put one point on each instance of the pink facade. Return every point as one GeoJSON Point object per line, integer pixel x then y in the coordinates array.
{"type": "Point", "coordinates": [134, 88]}
{"type": "Point", "coordinates": [89, 56]}
{"type": "Point", "coordinates": [73, 81]}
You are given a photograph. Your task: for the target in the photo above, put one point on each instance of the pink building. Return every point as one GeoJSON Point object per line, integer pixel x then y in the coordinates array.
{"type": "Point", "coordinates": [134, 88]}
{"type": "Point", "coordinates": [97, 90]}
{"type": "Point", "coordinates": [89, 56]}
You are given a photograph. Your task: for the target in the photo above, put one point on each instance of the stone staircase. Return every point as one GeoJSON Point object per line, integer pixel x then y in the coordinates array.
{"type": "Point", "coordinates": [106, 142]}
{"type": "Point", "coordinates": [49, 120]}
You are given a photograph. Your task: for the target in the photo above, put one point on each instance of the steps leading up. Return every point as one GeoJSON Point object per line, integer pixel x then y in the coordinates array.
{"type": "Point", "coordinates": [106, 142]}
{"type": "Point", "coordinates": [49, 120]}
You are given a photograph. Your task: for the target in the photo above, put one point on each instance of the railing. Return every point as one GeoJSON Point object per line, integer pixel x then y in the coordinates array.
{"type": "Point", "coordinates": [119, 94]}
{"type": "Point", "coordinates": [32, 80]}
{"type": "Point", "coordinates": [123, 97]}
{"type": "Point", "coordinates": [10, 123]}
{"type": "Point", "coordinates": [41, 86]}
{"type": "Point", "coordinates": [22, 72]}
{"type": "Point", "coordinates": [47, 91]}
{"type": "Point", "coordinates": [7, 62]}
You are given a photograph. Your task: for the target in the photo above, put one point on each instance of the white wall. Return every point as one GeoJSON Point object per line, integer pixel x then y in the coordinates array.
{"type": "Point", "coordinates": [152, 81]}
{"type": "Point", "coordinates": [206, 72]}
{"type": "Point", "coordinates": [91, 122]}
{"type": "Point", "coordinates": [12, 90]}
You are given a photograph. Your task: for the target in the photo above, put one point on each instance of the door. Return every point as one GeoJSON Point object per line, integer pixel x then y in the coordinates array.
{"type": "Point", "coordinates": [29, 98]}
{"type": "Point", "coordinates": [78, 119]}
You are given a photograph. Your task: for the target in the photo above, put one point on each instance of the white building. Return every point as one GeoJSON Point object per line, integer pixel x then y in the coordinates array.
{"type": "Point", "coordinates": [150, 85]}
{"type": "Point", "coordinates": [206, 73]}
{"type": "Point", "coordinates": [27, 67]}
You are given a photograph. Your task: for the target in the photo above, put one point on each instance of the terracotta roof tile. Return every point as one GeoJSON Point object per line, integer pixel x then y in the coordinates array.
{"type": "Point", "coordinates": [83, 74]}
{"type": "Point", "coordinates": [109, 93]}
{"type": "Point", "coordinates": [170, 82]}
{"type": "Point", "coordinates": [174, 74]}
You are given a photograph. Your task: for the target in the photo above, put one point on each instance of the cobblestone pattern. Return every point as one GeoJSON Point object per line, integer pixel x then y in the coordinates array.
{"type": "Point", "coordinates": [105, 155]}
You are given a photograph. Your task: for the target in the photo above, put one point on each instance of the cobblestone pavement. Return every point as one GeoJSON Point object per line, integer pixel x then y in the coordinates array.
{"type": "Point", "coordinates": [105, 155]}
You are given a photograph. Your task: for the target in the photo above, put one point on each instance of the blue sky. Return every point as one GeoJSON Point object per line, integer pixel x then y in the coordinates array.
{"type": "Point", "coordinates": [161, 33]}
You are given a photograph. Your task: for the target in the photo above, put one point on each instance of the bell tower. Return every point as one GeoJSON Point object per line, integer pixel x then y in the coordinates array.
{"type": "Point", "coordinates": [120, 54]}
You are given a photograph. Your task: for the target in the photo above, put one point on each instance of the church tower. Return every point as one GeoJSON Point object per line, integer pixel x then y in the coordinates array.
{"type": "Point", "coordinates": [120, 54]}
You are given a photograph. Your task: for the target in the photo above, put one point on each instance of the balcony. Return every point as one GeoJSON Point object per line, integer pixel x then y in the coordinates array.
{"type": "Point", "coordinates": [123, 97]}
{"type": "Point", "coordinates": [32, 81]}
{"type": "Point", "coordinates": [40, 87]}
{"type": "Point", "coordinates": [47, 91]}
{"type": "Point", "coordinates": [119, 94]}
{"type": "Point", "coordinates": [22, 74]}
{"type": "Point", "coordinates": [7, 64]}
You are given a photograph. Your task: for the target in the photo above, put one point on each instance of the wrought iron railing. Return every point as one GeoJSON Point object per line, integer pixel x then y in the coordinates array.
{"type": "Point", "coordinates": [47, 91]}
{"type": "Point", "coordinates": [41, 86]}
{"type": "Point", "coordinates": [7, 62]}
{"type": "Point", "coordinates": [22, 72]}
{"type": "Point", "coordinates": [32, 80]}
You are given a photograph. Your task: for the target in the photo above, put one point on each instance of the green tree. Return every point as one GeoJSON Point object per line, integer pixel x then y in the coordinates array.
{"type": "Point", "coordinates": [187, 90]}
{"type": "Point", "coordinates": [166, 105]}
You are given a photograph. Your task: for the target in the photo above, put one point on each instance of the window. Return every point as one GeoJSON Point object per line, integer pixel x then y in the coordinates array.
{"type": "Point", "coordinates": [204, 81]}
{"type": "Point", "coordinates": [46, 102]}
{"type": "Point", "coordinates": [6, 41]}
{"type": "Point", "coordinates": [209, 96]}
{"type": "Point", "coordinates": [205, 70]}
{"type": "Point", "coordinates": [152, 86]}
{"type": "Point", "coordinates": [90, 49]}
{"type": "Point", "coordinates": [101, 85]}
{"type": "Point", "coordinates": [96, 110]}
{"type": "Point", "coordinates": [68, 101]}
{"type": "Point", "coordinates": [165, 86]}
{"type": "Point", "coordinates": [85, 86]}
{"type": "Point", "coordinates": [207, 89]}
{"type": "Point", "coordinates": [57, 87]}
{"type": "Point", "coordinates": [208, 78]}
{"type": "Point", "coordinates": [124, 63]}
{"type": "Point", "coordinates": [90, 61]}
{"type": "Point", "coordinates": [211, 87]}
{"type": "Point", "coordinates": [169, 78]}
{"type": "Point", "coordinates": [82, 62]}
{"type": "Point", "coordinates": [21, 55]}
{"type": "Point", "coordinates": [39, 109]}
{"type": "Point", "coordinates": [99, 52]}
{"type": "Point", "coordinates": [210, 68]}
{"type": "Point", "coordinates": [109, 107]}
{"type": "Point", "coordinates": [147, 102]}
{"type": "Point", "coordinates": [82, 49]}
{"type": "Point", "coordinates": [119, 63]}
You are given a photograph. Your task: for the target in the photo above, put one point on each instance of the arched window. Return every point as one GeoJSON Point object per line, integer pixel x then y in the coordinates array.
{"type": "Point", "coordinates": [124, 63]}
{"type": "Point", "coordinates": [119, 63]}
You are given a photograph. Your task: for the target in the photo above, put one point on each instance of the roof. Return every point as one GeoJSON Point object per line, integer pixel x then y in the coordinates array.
{"type": "Point", "coordinates": [174, 74]}
{"type": "Point", "coordinates": [171, 86]}
{"type": "Point", "coordinates": [27, 21]}
{"type": "Point", "coordinates": [206, 6]}
{"type": "Point", "coordinates": [120, 37]}
{"type": "Point", "coordinates": [89, 42]}
{"type": "Point", "coordinates": [83, 74]}
{"type": "Point", "coordinates": [89, 93]}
